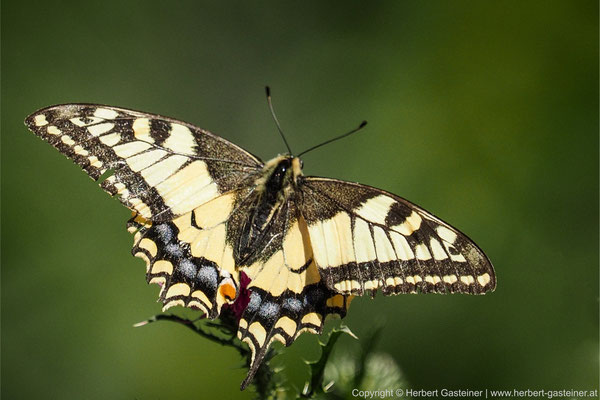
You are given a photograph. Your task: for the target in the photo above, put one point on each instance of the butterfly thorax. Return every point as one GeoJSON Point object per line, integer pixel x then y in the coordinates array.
{"type": "Point", "coordinates": [272, 188]}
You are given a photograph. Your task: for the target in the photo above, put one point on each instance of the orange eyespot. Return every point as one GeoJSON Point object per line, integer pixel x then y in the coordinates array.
{"type": "Point", "coordinates": [227, 290]}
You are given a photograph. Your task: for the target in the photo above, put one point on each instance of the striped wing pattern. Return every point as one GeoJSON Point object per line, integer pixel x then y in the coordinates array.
{"type": "Point", "coordinates": [161, 168]}
{"type": "Point", "coordinates": [365, 239]}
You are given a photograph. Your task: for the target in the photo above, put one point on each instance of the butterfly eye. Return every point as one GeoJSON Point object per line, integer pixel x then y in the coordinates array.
{"type": "Point", "coordinates": [286, 164]}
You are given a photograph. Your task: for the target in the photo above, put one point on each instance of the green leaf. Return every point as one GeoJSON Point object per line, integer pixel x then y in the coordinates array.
{"type": "Point", "coordinates": [317, 368]}
{"type": "Point", "coordinates": [367, 347]}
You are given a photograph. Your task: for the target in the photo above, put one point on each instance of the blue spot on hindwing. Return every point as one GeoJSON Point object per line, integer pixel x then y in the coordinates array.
{"type": "Point", "coordinates": [164, 233]}
{"type": "Point", "coordinates": [269, 310]}
{"type": "Point", "coordinates": [254, 303]}
{"type": "Point", "coordinates": [292, 304]}
{"type": "Point", "coordinates": [187, 268]}
{"type": "Point", "coordinates": [208, 276]}
{"type": "Point", "coordinates": [174, 250]}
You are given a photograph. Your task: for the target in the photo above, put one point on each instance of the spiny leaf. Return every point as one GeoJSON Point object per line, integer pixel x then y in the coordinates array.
{"type": "Point", "coordinates": [317, 368]}
{"type": "Point", "coordinates": [367, 347]}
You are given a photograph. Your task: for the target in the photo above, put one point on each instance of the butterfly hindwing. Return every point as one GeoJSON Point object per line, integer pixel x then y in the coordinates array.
{"type": "Point", "coordinates": [366, 239]}
{"type": "Point", "coordinates": [161, 168]}
{"type": "Point", "coordinates": [189, 256]}
{"type": "Point", "coordinates": [287, 296]}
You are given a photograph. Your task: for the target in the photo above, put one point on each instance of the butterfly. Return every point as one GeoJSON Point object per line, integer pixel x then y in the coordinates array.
{"type": "Point", "coordinates": [212, 220]}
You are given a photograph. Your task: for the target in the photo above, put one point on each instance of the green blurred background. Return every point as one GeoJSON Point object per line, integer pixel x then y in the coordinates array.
{"type": "Point", "coordinates": [485, 113]}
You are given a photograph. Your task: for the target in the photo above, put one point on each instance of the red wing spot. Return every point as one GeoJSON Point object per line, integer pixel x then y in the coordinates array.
{"type": "Point", "coordinates": [241, 302]}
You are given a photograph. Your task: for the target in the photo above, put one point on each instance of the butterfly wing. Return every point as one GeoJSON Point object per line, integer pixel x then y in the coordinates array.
{"type": "Point", "coordinates": [365, 239]}
{"type": "Point", "coordinates": [189, 256]}
{"type": "Point", "coordinates": [161, 168]}
{"type": "Point", "coordinates": [288, 296]}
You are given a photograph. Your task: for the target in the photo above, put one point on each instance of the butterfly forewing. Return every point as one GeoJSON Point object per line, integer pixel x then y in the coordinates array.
{"type": "Point", "coordinates": [366, 239]}
{"type": "Point", "coordinates": [160, 168]}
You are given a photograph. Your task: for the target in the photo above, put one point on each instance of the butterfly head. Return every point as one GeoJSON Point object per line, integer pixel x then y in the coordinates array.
{"type": "Point", "coordinates": [281, 172]}
{"type": "Point", "coordinates": [297, 166]}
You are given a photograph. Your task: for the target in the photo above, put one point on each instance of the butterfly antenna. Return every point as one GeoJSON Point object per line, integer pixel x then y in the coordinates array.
{"type": "Point", "coordinates": [268, 90]}
{"type": "Point", "coordinates": [362, 125]}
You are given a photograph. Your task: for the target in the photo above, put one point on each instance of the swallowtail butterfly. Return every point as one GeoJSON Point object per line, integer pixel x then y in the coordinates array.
{"type": "Point", "coordinates": [208, 216]}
